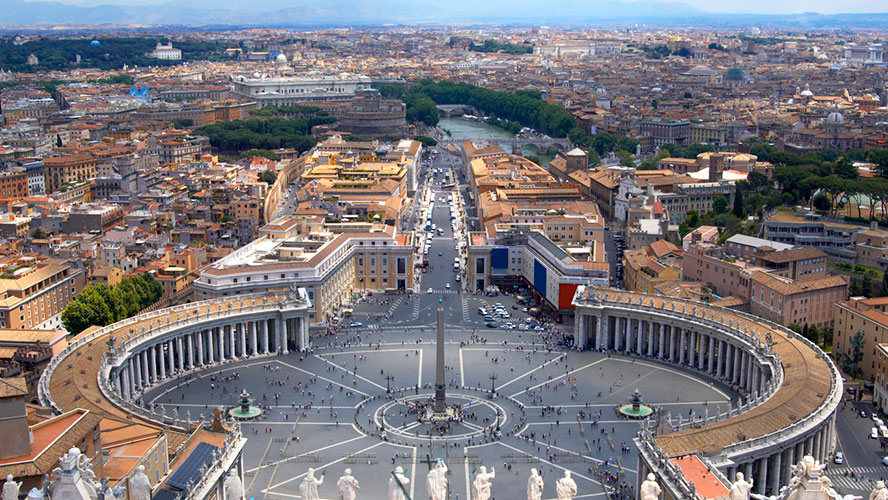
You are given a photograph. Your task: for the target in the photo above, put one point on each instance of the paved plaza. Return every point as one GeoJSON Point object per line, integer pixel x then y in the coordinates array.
{"type": "Point", "coordinates": [555, 411]}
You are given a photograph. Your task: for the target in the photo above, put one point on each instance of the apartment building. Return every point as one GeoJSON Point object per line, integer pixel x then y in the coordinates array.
{"type": "Point", "coordinates": [869, 317]}
{"type": "Point", "coordinates": [34, 291]}
{"type": "Point", "coordinates": [645, 269]}
{"type": "Point", "coordinates": [14, 184]}
{"type": "Point", "coordinates": [872, 247]}
{"type": "Point", "coordinates": [61, 170]}
{"type": "Point", "coordinates": [786, 301]}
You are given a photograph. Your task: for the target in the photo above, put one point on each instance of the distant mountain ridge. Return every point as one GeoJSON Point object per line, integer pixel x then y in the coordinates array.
{"type": "Point", "coordinates": [355, 12]}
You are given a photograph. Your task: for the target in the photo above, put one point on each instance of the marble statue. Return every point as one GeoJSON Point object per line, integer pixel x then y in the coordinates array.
{"type": "Point", "coordinates": [308, 488]}
{"type": "Point", "coordinates": [650, 488]}
{"type": "Point", "coordinates": [534, 486]}
{"type": "Point", "coordinates": [234, 488]}
{"type": "Point", "coordinates": [565, 487]}
{"type": "Point", "coordinates": [880, 493]}
{"type": "Point", "coordinates": [741, 488]}
{"type": "Point", "coordinates": [348, 486]}
{"type": "Point", "coordinates": [481, 485]}
{"type": "Point", "coordinates": [398, 484]}
{"type": "Point", "coordinates": [11, 488]}
{"type": "Point", "coordinates": [140, 485]}
{"type": "Point", "coordinates": [436, 481]}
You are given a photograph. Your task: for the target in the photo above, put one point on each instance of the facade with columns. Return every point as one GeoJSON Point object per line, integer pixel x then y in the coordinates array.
{"type": "Point", "coordinates": [168, 343]}
{"type": "Point", "coordinates": [788, 388]}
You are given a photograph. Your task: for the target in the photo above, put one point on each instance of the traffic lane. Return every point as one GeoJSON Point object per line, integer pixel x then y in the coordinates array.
{"type": "Point", "coordinates": [853, 436]}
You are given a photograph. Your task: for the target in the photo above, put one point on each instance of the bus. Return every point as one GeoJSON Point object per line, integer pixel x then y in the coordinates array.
{"type": "Point", "coordinates": [447, 187]}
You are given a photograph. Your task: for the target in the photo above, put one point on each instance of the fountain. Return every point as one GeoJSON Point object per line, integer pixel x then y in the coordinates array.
{"type": "Point", "coordinates": [635, 409]}
{"type": "Point", "coordinates": [245, 410]}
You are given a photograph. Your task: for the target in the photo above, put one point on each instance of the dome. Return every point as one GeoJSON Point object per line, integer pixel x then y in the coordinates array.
{"type": "Point", "coordinates": [281, 58]}
{"type": "Point", "coordinates": [835, 118]}
{"type": "Point", "coordinates": [95, 43]}
{"type": "Point", "coordinates": [807, 92]}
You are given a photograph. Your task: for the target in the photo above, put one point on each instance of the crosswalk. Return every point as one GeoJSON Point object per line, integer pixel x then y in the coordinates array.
{"type": "Point", "coordinates": [845, 484]}
{"type": "Point", "coordinates": [465, 309]}
{"type": "Point", "coordinates": [415, 313]}
{"type": "Point", "coordinates": [864, 481]}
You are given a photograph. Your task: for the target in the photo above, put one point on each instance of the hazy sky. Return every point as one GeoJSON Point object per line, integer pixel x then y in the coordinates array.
{"type": "Point", "coordinates": [745, 6]}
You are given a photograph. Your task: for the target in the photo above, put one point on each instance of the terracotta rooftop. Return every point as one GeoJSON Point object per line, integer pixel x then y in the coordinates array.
{"type": "Point", "coordinates": [707, 484]}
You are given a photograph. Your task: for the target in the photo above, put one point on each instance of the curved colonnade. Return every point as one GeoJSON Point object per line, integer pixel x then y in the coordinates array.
{"type": "Point", "coordinates": [108, 369]}
{"type": "Point", "coordinates": [789, 388]}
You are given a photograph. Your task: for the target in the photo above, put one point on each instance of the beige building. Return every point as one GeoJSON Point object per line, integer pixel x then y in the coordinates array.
{"type": "Point", "coordinates": [867, 316]}
{"type": "Point", "coordinates": [786, 301]}
{"type": "Point", "coordinates": [872, 247]}
{"type": "Point", "coordinates": [330, 265]}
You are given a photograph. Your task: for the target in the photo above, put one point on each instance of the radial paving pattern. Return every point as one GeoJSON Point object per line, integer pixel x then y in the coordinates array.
{"type": "Point", "coordinates": [326, 411]}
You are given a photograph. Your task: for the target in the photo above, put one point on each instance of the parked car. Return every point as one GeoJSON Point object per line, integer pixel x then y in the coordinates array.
{"type": "Point", "coordinates": [874, 433]}
{"type": "Point", "coordinates": [356, 324]}
{"type": "Point", "coordinates": [490, 324]}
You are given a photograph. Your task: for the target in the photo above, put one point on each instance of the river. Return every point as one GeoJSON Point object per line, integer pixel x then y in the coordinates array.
{"type": "Point", "coordinates": [461, 130]}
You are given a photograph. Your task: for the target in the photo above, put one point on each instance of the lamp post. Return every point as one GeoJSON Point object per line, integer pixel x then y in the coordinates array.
{"type": "Point", "coordinates": [388, 378]}
{"type": "Point", "coordinates": [493, 377]}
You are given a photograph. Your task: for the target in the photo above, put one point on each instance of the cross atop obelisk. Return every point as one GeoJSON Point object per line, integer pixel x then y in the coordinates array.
{"type": "Point", "coordinates": [440, 397]}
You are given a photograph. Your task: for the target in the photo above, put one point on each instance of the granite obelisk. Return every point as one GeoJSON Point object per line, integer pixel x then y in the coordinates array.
{"type": "Point", "coordinates": [440, 397]}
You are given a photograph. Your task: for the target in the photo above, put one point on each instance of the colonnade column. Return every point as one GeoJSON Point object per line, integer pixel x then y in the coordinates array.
{"type": "Point", "coordinates": [673, 343]}
{"type": "Point", "coordinates": [243, 339]}
{"type": "Point", "coordinates": [210, 355]}
{"type": "Point", "coordinates": [639, 339]}
{"type": "Point", "coordinates": [266, 334]}
{"type": "Point", "coordinates": [662, 332]}
{"type": "Point", "coordinates": [650, 334]}
{"type": "Point", "coordinates": [775, 471]}
{"type": "Point", "coordinates": [303, 327]}
{"type": "Point", "coordinates": [180, 351]}
{"type": "Point", "coordinates": [171, 350]}
{"type": "Point", "coordinates": [152, 365]}
{"type": "Point", "coordinates": [285, 337]}
{"type": "Point", "coordinates": [232, 329]}
{"type": "Point", "coordinates": [710, 366]}
{"type": "Point", "coordinates": [190, 340]}
{"type": "Point", "coordinates": [701, 358]}
{"type": "Point", "coordinates": [761, 482]}
{"type": "Point", "coordinates": [220, 337]}
{"type": "Point", "coordinates": [682, 350]}
{"type": "Point", "coordinates": [253, 337]}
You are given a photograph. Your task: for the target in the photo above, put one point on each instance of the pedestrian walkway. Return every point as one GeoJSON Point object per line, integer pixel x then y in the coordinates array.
{"type": "Point", "coordinates": [465, 309]}
{"type": "Point", "coordinates": [846, 484]}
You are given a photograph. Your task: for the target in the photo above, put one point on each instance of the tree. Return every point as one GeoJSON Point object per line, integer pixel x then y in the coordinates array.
{"type": "Point", "coordinates": [884, 291]}
{"type": "Point", "coordinates": [38, 233]}
{"type": "Point", "coordinates": [738, 204]}
{"type": "Point", "coordinates": [758, 180]}
{"type": "Point", "coordinates": [268, 177]}
{"type": "Point", "coordinates": [866, 287]}
{"type": "Point", "coordinates": [821, 202]}
{"type": "Point", "coordinates": [183, 123]}
{"type": "Point", "coordinates": [693, 218]}
{"type": "Point", "coordinates": [58, 141]}
{"type": "Point", "coordinates": [720, 205]}
{"type": "Point", "coordinates": [857, 342]}
{"type": "Point", "coordinates": [626, 158]}
{"type": "Point", "coordinates": [844, 169]}
{"type": "Point", "coordinates": [76, 317]}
